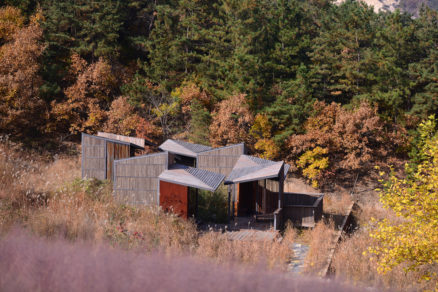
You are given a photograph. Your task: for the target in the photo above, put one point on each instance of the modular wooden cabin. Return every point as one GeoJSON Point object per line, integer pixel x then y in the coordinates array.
{"type": "Point", "coordinates": [170, 179]}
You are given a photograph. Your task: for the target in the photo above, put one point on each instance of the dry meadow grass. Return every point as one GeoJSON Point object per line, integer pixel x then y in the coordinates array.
{"type": "Point", "coordinates": [30, 263]}
{"type": "Point", "coordinates": [320, 240]}
{"type": "Point", "coordinates": [353, 263]}
{"type": "Point", "coordinates": [337, 203]}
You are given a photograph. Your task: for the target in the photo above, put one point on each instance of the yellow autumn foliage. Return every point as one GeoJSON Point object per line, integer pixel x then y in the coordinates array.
{"type": "Point", "coordinates": [413, 240]}
{"type": "Point", "coordinates": [313, 162]}
{"type": "Point", "coordinates": [261, 130]}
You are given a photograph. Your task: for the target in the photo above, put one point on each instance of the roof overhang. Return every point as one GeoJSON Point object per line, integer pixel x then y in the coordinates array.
{"type": "Point", "coordinates": [138, 143]}
{"type": "Point", "coordinates": [183, 148]}
{"type": "Point", "coordinates": [249, 168]}
{"type": "Point", "coordinates": [192, 177]}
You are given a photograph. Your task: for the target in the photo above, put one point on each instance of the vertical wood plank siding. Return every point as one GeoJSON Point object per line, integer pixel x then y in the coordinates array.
{"type": "Point", "coordinates": [93, 157]}
{"type": "Point", "coordinates": [220, 160]}
{"type": "Point", "coordinates": [115, 151]}
{"type": "Point", "coordinates": [98, 155]}
{"type": "Point", "coordinates": [136, 179]}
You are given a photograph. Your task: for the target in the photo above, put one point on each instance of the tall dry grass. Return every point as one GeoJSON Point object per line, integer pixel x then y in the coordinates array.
{"type": "Point", "coordinates": [337, 203]}
{"type": "Point", "coordinates": [353, 264]}
{"type": "Point", "coordinates": [320, 240]}
{"type": "Point", "coordinates": [47, 198]}
{"type": "Point", "coordinates": [215, 245]}
{"type": "Point", "coordinates": [29, 263]}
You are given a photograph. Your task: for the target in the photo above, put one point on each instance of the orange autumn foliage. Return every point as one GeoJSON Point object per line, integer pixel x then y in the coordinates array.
{"type": "Point", "coordinates": [21, 108]}
{"type": "Point", "coordinates": [231, 122]}
{"type": "Point", "coordinates": [11, 20]}
{"type": "Point", "coordinates": [354, 138]}
{"type": "Point", "coordinates": [188, 92]}
{"type": "Point", "coordinates": [122, 118]}
{"type": "Point", "coordinates": [147, 130]}
{"type": "Point", "coordinates": [88, 97]}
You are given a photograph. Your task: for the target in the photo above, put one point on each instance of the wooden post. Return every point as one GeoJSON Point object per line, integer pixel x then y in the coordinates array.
{"type": "Point", "coordinates": [279, 224]}
{"type": "Point", "coordinates": [255, 185]}
{"type": "Point", "coordinates": [264, 197]}
{"type": "Point", "coordinates": [196, 204]}
{"type": "Point", "coordinates": [229, 205]}
{"type": "Point", "coordinates": [281, 187]}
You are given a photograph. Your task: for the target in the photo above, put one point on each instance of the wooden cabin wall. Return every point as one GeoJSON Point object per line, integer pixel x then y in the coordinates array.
{"type": "Point", "coordinates": [136, 179]}
{"type": "Point", "coordinates": [174, 198]}
{"type": "Point", "coordinates": [271, 203]}
{"type": "Point", "coordinates": [115, 151]}
{"type": "Point", "coordinates": [303, 210]}
{"type": "Point", "coordinates": [93, 157]}
{"type": "Point", "coordinates": [98, 155]}
{"type": "Point", "coordinates": [220, 160]}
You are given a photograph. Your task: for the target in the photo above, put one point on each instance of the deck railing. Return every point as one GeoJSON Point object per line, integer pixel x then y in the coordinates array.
{"type": "Point", "coordinates": [304, 210]}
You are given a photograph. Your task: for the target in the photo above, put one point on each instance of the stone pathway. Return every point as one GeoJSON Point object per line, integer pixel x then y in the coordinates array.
{"type": "Point", "coordinates": [297, 262]}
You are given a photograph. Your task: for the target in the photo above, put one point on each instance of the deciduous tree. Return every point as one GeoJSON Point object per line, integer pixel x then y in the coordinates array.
{"type": "Point", "coordinates": [231, 122]}
{"type": "Point", "coordinates": [413, 240]}
{"type": "Point", "coordinates": [22, 111]}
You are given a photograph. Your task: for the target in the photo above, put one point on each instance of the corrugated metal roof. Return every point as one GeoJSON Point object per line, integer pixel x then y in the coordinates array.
{"type": "Point", "coordinates": [250, 168]}
{"type": "Point", "coordinates": [183, 148]}
{"type": "Point", "coordinates": [192, 177]}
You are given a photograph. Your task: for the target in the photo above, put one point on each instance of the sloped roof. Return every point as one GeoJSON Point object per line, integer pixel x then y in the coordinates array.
{"type": "Point", "coordinates": [286, 169]}
{"type": "Point", "coordinates": [192, 177]}
{"type": "Point", "coordinates": [250, 168]}
{"type": "Point", "coordinates": [139, 142]}
{"type": "Point", "coordinates": [183, 148]}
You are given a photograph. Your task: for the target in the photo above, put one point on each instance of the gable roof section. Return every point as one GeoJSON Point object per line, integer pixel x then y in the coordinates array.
{"type": "Point", "coordinates": [183, 148]}
{"type": "Point", "coordinates": [192, 177]}
{"type": "Point", "coordinates": [250, 168]}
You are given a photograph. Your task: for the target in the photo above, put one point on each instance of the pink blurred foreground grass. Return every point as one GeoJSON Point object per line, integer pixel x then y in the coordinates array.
{"type": "Point", "coordinates": [29, 263]}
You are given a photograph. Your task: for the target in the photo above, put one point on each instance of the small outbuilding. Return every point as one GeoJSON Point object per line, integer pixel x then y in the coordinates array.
{"type": "Point", "coordinates": [171, 179]}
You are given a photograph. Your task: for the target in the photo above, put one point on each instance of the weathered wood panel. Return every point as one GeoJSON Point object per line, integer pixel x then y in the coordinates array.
{"type": "Point", "coordinates": [136, 178]}
{"type": "Point", "coordinates": [220, 160]}
{"type": "Point", "coordinates": [174, 198]}
{"type": "Point", "coordinates": [93, 157]}
{"type": "Point", "coordinates": [98, 154]}
{"type": "Point", "coordinates": [115, 151]}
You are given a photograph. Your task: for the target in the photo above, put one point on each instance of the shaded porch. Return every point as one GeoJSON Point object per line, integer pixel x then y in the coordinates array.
{"type": "Point", "coordinates": [255, 189]}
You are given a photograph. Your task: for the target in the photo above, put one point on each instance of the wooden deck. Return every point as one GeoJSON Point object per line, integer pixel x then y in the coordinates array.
{"type": "Point", "coordinates": [245, 229]}
{"type": "Point", "coordinates": [253, 235]}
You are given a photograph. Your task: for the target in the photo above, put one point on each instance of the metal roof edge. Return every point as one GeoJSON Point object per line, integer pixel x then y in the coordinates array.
{"type": "Point", "coordinates": [194, 155]}
{"type": "Point", "coordinates": [111, 140]}
{"type": "Point", "coordinates": [248, 180]}
{"type": "Point", "coordinates": [142, 156]}
{"type": "Point", "coordinates": [186, 184]}
{"type": "Point", "coordinates": [224, 147]}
